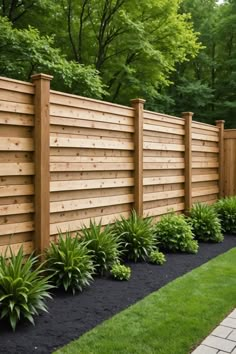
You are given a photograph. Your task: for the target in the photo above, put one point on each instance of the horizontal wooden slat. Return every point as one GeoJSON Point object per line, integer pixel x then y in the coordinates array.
{"type": "Point", "coordinates": [90, 203]}
{"type": "Point", "coordinates": [27, 248]}
{"type": "Point", "coordinates": [13, 96]}
{"type": "Point", "coordinates": [89, 104]}
{"type": "Point", "coordinates": [164, 209]}
{"type": "Point", "coordinates": [57, 167]}
{"type": "Point", "coordinates": [16, 209]}
{"type": "Point", "coordinates": [7, 118]}
{"type": "Point", "coordinates": [90, 184]}
{"type": "Point", "coordinates": [15, 169]}
{"type": "Point", "coordinates": [163, 117]}
{"type": "Point", "coordinates": [16, 107]}
{"type": "Point", "coordinates": [15, 190]}
{"type": "Point", "coordinates": [159, 128]}
{"type": "Point", "coordinates": [11, 229]}
{"type": "Point", "coordinates": [86, 143]}
{"type": "Point", "coordinates": [163, 180]}
{"type": "Point", "coordinates": [202, 148]}
{"type": "Point", "coordinates": [78, 224]}
{"type": "Point", "coordinates": [163, 195]}
{"type": "Point", "coordinates": [90, 159]}
{"type": "Point", "coordinates": [205, 191]}
{"type": "Point", "coordinates": [163, 166]}
{"type": "Point", "coordinates": [205, 137]}
{"type": "Point", "coordinates": [16, 144]}
{"type": "Point", "coordinates": [163, 159]}
{"type": "Point", "coordinates": [16, 85]}
{"type": "Point", "coordinates": [164, 147]}
{"type": "Point", "coordinates": [204, 126]}
{"type": "Point", "coordinates": [230, 134]}
{"type": "Point", "coordinates": [202, 178]}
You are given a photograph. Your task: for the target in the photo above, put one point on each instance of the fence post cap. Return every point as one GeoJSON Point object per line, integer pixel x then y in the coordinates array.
{"type": "Point", "coordinates": [137, 100]}
{"type": "Point", "coordinates": [41, 76]}
{"type": "Point", "coordinates": [189, 114]}
{"type": "Point", "coordinates": [218, 122]}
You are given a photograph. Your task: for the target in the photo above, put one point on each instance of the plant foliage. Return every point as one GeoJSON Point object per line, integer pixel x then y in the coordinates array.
{"type": "Point", "coordinates": [70, 263]}
{"type": "Point", "coordinates": [226, 210]}
{"type": "Point", "coordinates": [205, 223]}
{"type": "Point", "coordinates": [104, 245]}
{"type": "Point", "coordinates": [120, 271]}
{"type": "Point", "coordinates": [156, 257]}
{"type": "Point", "coordinates": [173, 233]}
{"type": "Point", "coordinates": [23, 288]}
{"type": "Point", "coordinates": [137, 236]}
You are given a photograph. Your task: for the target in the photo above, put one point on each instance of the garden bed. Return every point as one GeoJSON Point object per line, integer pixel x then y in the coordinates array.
{"type": "Point", "coordinates": [70, 316]}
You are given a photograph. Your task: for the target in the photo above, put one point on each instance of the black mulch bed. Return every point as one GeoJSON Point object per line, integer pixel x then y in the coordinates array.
{"type": "Point", "coordinates": [70, 316]}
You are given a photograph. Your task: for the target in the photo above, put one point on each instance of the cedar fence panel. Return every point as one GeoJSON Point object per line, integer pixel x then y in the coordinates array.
{"type": "Point", "coordinates": [66, 159]}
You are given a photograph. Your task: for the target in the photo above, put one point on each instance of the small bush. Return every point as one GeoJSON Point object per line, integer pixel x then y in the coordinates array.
{"type": "Point", "coordinates": [137, 236]}
{"type": "Point", "coordinates": [173, 233]}
{"type": "Point", "coordinates": [205, 223]}
{"type": "Point", "coordinates": [226, 210]}
{"type": "Point", "coordinates": [23, 288]}
{"type": "Point", "coordinates": [103, 244]}
{"type": "Point", "coordinates": [69, 263]}
{"type": "Point", "coordinates": [120, 272]}
{"type": "Point", "coordinates": [156, 257]}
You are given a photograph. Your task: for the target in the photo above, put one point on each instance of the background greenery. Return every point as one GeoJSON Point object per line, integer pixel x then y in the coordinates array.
{"type": "Point", "coordinates": [180, 55]}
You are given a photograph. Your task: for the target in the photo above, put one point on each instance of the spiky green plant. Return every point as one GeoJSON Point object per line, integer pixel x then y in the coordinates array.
{"type": "Point", "coordinates": [104, 245]}
{"type": "Point", "coordinates": [205, 223]}
{"type": "Point", "coordinates": [23, 288]}
{"type": "Point", "coordinates": [120, 271]}
{"type": "Point", "coordinates": [226, 210]}
{"type": "Point", "coordinates": [70, 263]}
{"type": "Point", "coordinates": [156, 257]}
{"type": "Point", "coordinates": [173, 233]}
{"type": "Point", "coordinates": [137, 236]}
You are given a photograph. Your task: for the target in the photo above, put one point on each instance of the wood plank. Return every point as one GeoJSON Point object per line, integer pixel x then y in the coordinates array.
{"type": "Point", "coordinates": [14, 190]}
{"type": "Point", "coordinates": [230, 134]}
{"type": "Point", "coordinates": [92, 124]}
{"type": "Point", "coordinates": [14, 209]}
{"type": "Point", "coordinates": [163, 129]}
{"type": "Point", "coordinates": [17, 97]}
{"type": "Point", "coordinates": [202, 148]}
{"type": "Point", "coordinates": [163, 166]}
{"type": "Point", "coordinates": [163, 209]}
{"type": "Point", "coordinates": [163, 117]}
{"type": "Point", "coordinates": [91, 159]}
{"type": "Point", "coordinates": [77, 224]}
{"type": "Point", "coordinates": [27, 248]}
{"type": "Point", "coordinates": [89, 184]}
{"type": "Point", "coordinates": [16, 144]}
{"type": "Point", "coordinates": [202, 178]}
{"type": "Point", "coordinates": [148, 181]}
{"type": "Point", "coordinates": [16, 85]}
{"type": "Point", "coordinates": [87, 133]}
{"type": "Point", "coordinates": [205, 137]}
{"type": "Point", "coordinates": [164, 147]}
{"type": "Point", "coordinates": [163, 195]}
{"type": "Point", "coordinates": [64, 99]}
{"type": "Point", "coordinates": [67, 166]}
{"type": "Point", "coordinates": [15, 169]}
{"type": "Point", "coordinates": [16, 228]}
{"type": "Point", "coordinates": [90, 203]}
{"type": "Point", "coordinates": [188, 117]}
{"type": "Point", "coordinates": [205, 191]}
{"type": "Point", "coordinates": [204, 164]}
{"type": "Point", "coordinates": [7, 118]}
{"type": "Point", "coordinates": [16, 107]}
{"type": "Point", "coordinates": [204, 126]}
{"type": "Point", "coordinates": [85, 143]}
{"type": "Point", "coordinates": [220, 125]}
{"type": "Point", "coordinates": [163, 159]}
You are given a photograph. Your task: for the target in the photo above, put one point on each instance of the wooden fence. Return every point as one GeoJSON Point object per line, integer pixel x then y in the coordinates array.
{"type": "Point", "coordinates": [65, 159]}
{"type": "Point", "coordinates": [230, 162]}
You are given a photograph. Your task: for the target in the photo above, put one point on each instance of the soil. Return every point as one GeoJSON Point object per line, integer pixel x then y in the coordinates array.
{"type": "Point", "coordinates": [70, 316]}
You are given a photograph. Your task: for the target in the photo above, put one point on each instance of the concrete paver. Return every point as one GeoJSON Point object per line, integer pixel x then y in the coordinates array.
{"type": "Point", "coordinates": [222, 340]}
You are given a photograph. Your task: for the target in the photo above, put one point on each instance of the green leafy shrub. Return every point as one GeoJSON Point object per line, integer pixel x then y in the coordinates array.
{"type": "Point", "coordinates": [205, 223]}
{"type": "Point", "coordinates": [120, 271]}
{"type": "Point", "coordinates": [23, 288]}
{"type": "Point", "coordinates": [226, 210]}
{"type": "Point", "coordinates": [137, 236]}
{"type": "Point", "coordinates": [69, 263]}
{"type": "Point", "coordinates": [156, 257]}
{"type": "Point", "coordinates": [104, 245]}
{"type": "Point", "coordinates": [173, 233]}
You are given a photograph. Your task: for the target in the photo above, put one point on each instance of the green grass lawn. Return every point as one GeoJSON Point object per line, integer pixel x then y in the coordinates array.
{"type": "Point", "coordinates": [172, 320]}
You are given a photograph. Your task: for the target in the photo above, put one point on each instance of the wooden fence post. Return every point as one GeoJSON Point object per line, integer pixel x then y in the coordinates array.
{"type": "Point", "coordinates": [188, 160]}
{"type": "Point", "coordinates": [138, 104]}
{"type": "Point", "coordinates": [41, 160]}
{"type": "Point", "coordinates": [220, 125]}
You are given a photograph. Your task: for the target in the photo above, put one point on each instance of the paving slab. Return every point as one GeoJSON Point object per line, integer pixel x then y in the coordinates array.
{"type": "Point", "coordinates": [233, 314]}
{"type": "Point", "coordinates": [219, 343]}
{"type": "Point", "coordinates": [203, 349]}
{"type": "Point", "coordinates": [229, 322]}
{"type": "Point", "coordinates": [222, 331]}
{"type": "Point", "coordinates": [232, 336]}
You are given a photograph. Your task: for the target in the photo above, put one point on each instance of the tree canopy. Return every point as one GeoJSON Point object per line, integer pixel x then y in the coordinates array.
{"type": "Point", "coordinates": [177, 54]}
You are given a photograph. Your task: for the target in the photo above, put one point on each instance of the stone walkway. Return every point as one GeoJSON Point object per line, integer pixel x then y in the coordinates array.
{"type": "Point", "coordinates": [222, 340]}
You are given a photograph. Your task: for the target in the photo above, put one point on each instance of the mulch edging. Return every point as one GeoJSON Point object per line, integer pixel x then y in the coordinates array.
{"type": "Point", "coordinates": [70, 316]}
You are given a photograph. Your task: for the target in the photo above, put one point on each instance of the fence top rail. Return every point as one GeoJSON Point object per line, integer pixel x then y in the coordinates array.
{"type": "Point", "coordinates": [205, 125]}
{"type": "Point", "coordinates": [164, 115]}
{"type": "Point", "coordinates": [92, 100]}
{"type": "Point", "coordinates": [230, 134]}
{"type": "Point", "coordinates": [16, 81]}
{"type": "Point", "coordinates": [16, 85]}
